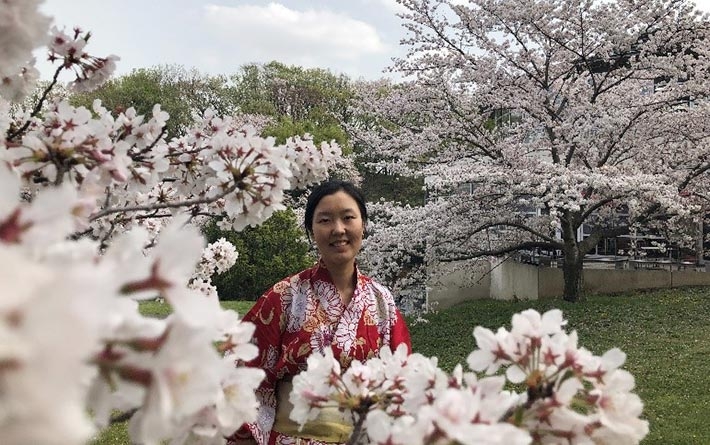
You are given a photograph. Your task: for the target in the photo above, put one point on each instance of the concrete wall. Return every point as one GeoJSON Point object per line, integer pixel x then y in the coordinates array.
{"type": "Point", "coordinates": [550, 282]}
{"type": "Point", "coordinates": [681, 278]}
{"type": "Point", "coordinates": [508, 280]}
{"type": "Point", "coordinates": [457, 282]}
{"type": "Point", "coordinates": [514, 280]}
{"type": "Point", "coordinates": [597, 281]}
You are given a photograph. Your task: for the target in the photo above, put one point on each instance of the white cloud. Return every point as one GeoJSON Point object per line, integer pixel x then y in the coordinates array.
{"type": "Point", "coordinates": [310, 38]}
{"type": "Point", "coordinates": [392, 5]}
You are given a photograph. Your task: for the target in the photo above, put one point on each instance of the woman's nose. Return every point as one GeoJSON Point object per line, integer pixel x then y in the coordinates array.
{"type": "Point", "coordinates": [338, 227]}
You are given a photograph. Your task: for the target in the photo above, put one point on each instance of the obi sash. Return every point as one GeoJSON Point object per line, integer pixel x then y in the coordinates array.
{"type": "Point", "coordinates": [331, 426]}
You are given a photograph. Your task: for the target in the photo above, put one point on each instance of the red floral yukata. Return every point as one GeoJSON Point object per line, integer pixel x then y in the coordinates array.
{"type": "Point", "coordinates": [304, 313]}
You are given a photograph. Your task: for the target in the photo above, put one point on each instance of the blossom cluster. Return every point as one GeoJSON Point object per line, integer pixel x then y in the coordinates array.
{"type": "Point", "coordinates": [102, 354]}
{"type": "Point", "coordinates": [23, 28]}
{"type": "Point", "coordinates": [568, 395]}
{"type": "Point", "coordinates": [132, 174]}
{"type": "Point", "coordinates": [89, 71]}
{"type": "Point", "coordinates": [95, 216]}
{"type": "Point", "coordinates": [217, 258]}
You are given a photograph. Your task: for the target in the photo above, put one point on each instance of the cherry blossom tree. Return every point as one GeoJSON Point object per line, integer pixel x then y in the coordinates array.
{"type": "Point", "coordinates": [98, 212]}
{"type": "Point", "coordinates": [532, 118]}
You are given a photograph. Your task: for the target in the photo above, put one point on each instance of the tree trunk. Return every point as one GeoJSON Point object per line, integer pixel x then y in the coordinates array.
{"type": "Point", "coordinates": [700, 240]}
{"type": "Point", "coordinates": [572, 272]}
{"type": "Point", "coordinates": [573, 262]}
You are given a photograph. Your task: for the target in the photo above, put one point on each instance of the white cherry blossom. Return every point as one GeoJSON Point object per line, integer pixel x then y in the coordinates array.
{"type": "Point", "coordinates": [408, 398]}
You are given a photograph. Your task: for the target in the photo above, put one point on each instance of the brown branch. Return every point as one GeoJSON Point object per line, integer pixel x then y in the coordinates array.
{"type": "Point", "coordinates": [503, 250]}
{"type": "Point", "coordinates": [478, 281]}
{"type": "Point", "coordinates": [122, 417]}
{"type": "Point", "coordinates": [521, 226]}
{"type": "Point", "coordinates": [358, 430]}
{"type": "Point", "coordinates": [601, 203]}
{"type": "Point", "coordinates": [38, 106]}
{"type": "Point", "coordinates": [167, 205]}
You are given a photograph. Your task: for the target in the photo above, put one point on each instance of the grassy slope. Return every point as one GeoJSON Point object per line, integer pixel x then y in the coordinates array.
{"type": "Point", "coordinates": [666, 335]}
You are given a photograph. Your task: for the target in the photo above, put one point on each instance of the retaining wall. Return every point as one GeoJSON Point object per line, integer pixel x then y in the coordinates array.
{"type": "Point", "coordinates": [509, 280]}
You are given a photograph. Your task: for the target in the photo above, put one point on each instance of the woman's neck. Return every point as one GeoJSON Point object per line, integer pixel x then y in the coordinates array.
{"type": "Point", "coordinates": [343, 277]}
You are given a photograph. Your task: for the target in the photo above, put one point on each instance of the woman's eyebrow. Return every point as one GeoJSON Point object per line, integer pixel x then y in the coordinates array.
{"type": "Point", "coordinates": [328, 212]}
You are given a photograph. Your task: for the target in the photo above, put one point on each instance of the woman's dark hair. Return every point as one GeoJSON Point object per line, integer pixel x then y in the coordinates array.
{"type": "Point", "coordinates": [328, 188]}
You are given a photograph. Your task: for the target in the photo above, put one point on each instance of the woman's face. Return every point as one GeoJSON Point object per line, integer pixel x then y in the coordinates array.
{"type": "Point", "coordinates": [338, 228]}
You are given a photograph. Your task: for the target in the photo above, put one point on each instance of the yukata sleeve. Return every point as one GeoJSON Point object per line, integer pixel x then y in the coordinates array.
{"type": "Point", "coordinates": [266, 316]}
{"type": "Point", "coordinates": [393, 328]}
{"type": "Point", "coordinates": [400, 332]}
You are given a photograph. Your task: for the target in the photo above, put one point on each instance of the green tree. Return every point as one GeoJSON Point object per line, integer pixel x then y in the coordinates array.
{"type": "Point", "coordinates": [179, 91]}
{"type": "Point", "coordinates": [300, 100]}
{"type": "Point", "coordinates": [379, 184]}
{"type": "Point", "coordinates": [267, 253]}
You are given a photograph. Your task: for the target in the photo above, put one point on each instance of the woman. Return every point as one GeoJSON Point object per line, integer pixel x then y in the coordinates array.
{"type": "Point", "coordinates": [331, 305]}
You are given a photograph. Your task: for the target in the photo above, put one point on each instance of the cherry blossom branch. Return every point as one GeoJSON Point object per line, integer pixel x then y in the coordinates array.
{"type": "Point", "coordinates": [692, 175]}
{"type": "Point", "coordinates": [152, 145]}
{"type": "Point", "coordinates": [122, 417]}
{"type": "Point", "coordinates": [521, 226]}
{"type": "Point", "coordinates": [491, 269]}
{"type": "Point", "coordinates": [503, 250]}
{"type": "Point", "coordinates": [597, 205]}
{"type": "Point", "coordinates": [166, 205]}
{"type": "Point", "coordinates": [358, 428]}
{"type": "Point", "coordinates": [622, 133]}
{"type": "Point", "coordinates": [38, 106]}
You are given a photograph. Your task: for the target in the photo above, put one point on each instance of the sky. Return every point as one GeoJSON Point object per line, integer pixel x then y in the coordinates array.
{"type": "Point", "coordinates": [354, 37]}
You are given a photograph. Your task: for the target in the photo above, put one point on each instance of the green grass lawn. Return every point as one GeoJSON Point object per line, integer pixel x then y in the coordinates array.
{"type": "Point", "coordinates": [666, 335]}
{"type": "Point", "coordinates": [161, 310]}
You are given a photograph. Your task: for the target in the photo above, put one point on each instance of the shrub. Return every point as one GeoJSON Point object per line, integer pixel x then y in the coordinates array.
{"type": "Point", "coordinates": [267, 254]}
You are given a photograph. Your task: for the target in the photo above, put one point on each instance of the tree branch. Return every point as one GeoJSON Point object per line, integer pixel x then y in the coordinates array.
{"type": "Point", "coordinates": [591, 209]}
{"type": "Point", "coordinates": [167, 205]}
{"type": "Point", "coordinates": [38, 105]}
{"type": "Point", "coordinates": [503, 250]}
{"type": "Point", "coordinates": [520, 226]}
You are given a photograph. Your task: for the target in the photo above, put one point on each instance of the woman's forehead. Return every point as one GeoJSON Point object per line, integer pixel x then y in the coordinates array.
{"type": "Point", "coordinates": [336, 203]}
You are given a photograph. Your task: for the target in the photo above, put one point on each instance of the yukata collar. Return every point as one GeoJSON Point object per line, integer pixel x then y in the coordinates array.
{"type": "Point", "coordinates": [321, 272]}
